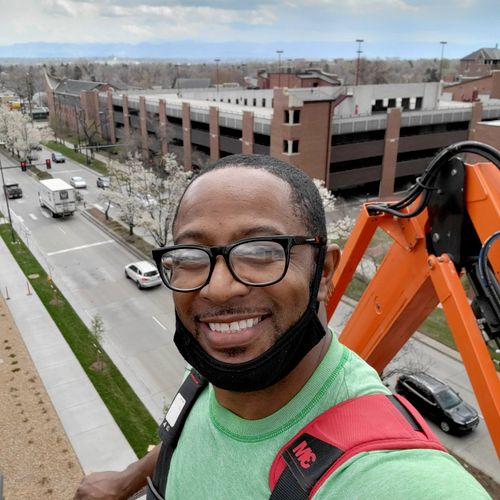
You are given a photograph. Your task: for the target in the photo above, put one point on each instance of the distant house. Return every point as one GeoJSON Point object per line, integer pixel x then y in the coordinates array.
{"type": "Point", "coordinates": [479, 63]}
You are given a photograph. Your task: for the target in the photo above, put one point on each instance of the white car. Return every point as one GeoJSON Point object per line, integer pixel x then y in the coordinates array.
{"type": "Point", "coordinates": [78, 182]}
{"type": "Point", "coordinates": [143, 273]}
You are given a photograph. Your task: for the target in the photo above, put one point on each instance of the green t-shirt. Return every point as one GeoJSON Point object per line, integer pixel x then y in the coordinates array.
{"type": "Point", "coordinates": [221, 456]}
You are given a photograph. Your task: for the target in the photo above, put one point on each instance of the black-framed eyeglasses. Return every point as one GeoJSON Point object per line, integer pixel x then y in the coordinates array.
{"type": "Point", "coordinates": [259, 261]}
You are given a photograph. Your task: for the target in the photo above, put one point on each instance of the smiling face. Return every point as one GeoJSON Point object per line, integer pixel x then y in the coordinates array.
{"type": "Point", "coordinates": [234, 322]}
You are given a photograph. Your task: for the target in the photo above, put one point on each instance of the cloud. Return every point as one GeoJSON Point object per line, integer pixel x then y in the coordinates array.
{"type": "Point", "coordinates": [359, 6]}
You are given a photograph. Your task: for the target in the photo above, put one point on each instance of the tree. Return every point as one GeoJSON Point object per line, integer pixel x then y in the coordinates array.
{"type": "Point", "coordinates": [166, 190]}
{"type": "Point", "coordinates": [128, 180]}
{"type": "Point", "coordinates": [339, 224]}
{"type": "Point", "coordinates": [21, 136]}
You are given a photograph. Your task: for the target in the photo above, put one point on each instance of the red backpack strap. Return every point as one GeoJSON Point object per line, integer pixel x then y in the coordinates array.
{"type": "Point", "coordinates": [365, 423]}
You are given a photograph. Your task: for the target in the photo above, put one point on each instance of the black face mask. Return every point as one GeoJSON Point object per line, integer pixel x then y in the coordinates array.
{"type": "Point", "coordinates": [271, 366]}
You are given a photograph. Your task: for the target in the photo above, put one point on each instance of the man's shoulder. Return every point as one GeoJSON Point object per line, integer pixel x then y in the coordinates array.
{"type": "Point", "coordinates": [406, 474]}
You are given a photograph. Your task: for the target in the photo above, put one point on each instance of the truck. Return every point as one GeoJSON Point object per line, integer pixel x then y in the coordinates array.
{"type": "Point", "coordinates": [57, 196]}
{"type": "Point", "coordinates": [13, 191]}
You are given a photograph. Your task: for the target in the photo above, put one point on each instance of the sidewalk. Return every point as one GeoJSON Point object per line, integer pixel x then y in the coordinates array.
{"type": "Point", "coordinates": [96, 439]}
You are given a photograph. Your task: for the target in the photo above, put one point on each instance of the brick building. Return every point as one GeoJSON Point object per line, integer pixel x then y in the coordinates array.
{"type": "Point", "coordinates": [479, 63]}
{"type": "Point", "coordinates": [475, 89]}
{"type": "Point", "coordinates": [345, 135]}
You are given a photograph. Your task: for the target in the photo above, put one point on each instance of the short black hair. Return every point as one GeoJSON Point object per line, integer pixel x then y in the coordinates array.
{"type": "Point", "coordinates": [305, 200]}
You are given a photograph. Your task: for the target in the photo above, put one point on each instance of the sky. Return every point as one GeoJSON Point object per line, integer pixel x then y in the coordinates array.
{"type": "Point", "coordinates": [389, 28]}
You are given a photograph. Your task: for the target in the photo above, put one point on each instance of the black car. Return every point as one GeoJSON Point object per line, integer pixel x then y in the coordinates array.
{"type": "Point", "coordinates": [103, 182]}
{"type": "Point", "coordinates": [58, 157]}
{"type": "Point", "coordinates": [438, 401]}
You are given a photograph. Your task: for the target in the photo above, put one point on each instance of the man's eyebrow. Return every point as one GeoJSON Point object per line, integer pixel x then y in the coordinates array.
{"type": "Point", "coordinates": [262, 230]}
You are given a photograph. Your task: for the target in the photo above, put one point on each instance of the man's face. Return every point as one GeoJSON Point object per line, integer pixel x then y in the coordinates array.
{"type": "Point", "coordinates": [234, 322]}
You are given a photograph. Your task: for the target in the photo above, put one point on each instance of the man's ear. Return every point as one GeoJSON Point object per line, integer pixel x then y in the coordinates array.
{"type": "Point", "coordinates": [332, 258]}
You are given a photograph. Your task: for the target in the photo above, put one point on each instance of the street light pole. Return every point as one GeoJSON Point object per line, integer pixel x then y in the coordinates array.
{"type": "Point", "coordinates": [217, 75]}
{"type": "Point", "coordinates": [8, 206]}
{"type": "Point", "coordinates": [279, 52]}
{"type": "Point", "coordinates": [359, 41]}
{"type": "Point", "coordinates": [443, 43]}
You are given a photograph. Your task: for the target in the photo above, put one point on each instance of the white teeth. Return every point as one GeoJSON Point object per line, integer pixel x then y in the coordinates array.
{"type": "Point", "coordinates": [235, 326]}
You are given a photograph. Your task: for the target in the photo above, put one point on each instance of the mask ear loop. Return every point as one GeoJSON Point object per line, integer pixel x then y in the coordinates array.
{"type": "Point", "coordinates": [317, 277]}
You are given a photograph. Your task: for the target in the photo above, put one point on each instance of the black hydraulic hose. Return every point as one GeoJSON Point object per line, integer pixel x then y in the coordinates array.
{"type": "Point", "coordinates": [425, 183]}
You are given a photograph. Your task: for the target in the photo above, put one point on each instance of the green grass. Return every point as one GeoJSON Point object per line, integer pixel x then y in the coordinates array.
{"type": "Point", "coordinates": [96, 165]}
{"type": "Point", "coordinates": [128, 411]}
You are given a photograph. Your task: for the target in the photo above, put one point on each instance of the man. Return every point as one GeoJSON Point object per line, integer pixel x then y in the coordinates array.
{"type": "Point", "coordinates": [249, 268]}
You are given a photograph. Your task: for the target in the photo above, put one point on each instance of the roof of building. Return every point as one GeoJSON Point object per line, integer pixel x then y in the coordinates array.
{"type": "Point", "coordinates": [192, 83]}
{"type": "Point", "coordinates": [466, 81]}
{"type": "Point", "coordinates": [76, 86]}
{"type": "Point", "coordinates": [485, 53]}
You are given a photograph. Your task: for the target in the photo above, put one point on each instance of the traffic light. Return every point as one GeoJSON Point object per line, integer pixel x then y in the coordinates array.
{"type": "Point", "coordinates": [24, 165]}
{"type": "Point", "coordinates": [48, 163]}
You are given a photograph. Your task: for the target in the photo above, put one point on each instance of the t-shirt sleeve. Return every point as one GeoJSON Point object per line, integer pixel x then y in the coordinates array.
{"type": "Point", "coordinates": [402, 474]}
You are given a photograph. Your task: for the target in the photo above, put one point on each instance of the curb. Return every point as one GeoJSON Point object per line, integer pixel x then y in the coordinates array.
{"type": "Point", "coordinates": [140, 255]}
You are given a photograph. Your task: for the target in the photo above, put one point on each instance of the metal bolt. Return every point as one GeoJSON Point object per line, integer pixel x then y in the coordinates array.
{"type": "Point", "coordinates": [454, 172]}
{"type": "Point", "coordinates": [435, 237]}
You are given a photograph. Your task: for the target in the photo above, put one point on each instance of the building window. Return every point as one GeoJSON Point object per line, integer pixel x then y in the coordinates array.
{"type": "Point", "coordinates": [292, 116]}
{"type": "Point", "coordinates": [254, 102]}
{"type": "Point", "coordinates": [245, 101]}
{"type": "Point", "coordinates": [419, 102]}
{"type": "Point", "coordinates": [291, 147]}
{"type": "Point", "coordinates": [263, 102]}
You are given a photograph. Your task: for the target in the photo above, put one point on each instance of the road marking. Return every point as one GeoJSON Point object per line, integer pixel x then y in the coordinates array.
{"type": "Point", "coordinates": [161, 325]}
{"type": "Point", "coordinates": [62, 229]}
{"type": "Point", "coordinates": [80, 247]}
{"type": "Point", "coordinates": [45, 213]}
{"type": "Point", "coordinates": [70, 171]}
{"type": "Point", "coordinates": [33, 216]}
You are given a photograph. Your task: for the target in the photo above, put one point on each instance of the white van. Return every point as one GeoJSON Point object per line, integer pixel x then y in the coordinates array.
{"type": "Point", "coordinates": [57, 196]}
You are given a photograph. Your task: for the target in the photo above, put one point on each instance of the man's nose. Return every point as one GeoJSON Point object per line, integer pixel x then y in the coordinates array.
{"type": "Point", "coordinates": [222, 285]}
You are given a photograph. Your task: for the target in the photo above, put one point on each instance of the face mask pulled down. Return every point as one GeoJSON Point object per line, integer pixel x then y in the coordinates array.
{"type": "Point", "coordinates": [272, 365]}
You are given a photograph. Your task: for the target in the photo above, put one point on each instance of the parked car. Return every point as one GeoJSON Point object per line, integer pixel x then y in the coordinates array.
{"type": "Point", "coordinates": [103, 182]}
{"type": "Point", "coordinates": [143, 273]}
{"type": "Point", "coordinates": [78, 182]}
{"type": "Point", "coordinates": [58, 157]}
{"type": "Point", "coordinates": [438, 401]}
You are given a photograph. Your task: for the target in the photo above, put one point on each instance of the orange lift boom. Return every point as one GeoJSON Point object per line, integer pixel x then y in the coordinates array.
{"type": "Point", "coordinates": [446, 228]}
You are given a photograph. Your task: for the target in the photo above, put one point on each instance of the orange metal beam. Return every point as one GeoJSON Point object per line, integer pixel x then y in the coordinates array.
{"type": "Point", "coordinates": [409, 284]}
{"type": "Point", "coordinates": [475, 356]}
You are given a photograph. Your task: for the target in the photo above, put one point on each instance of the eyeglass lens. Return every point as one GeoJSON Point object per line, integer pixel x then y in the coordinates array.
{"type": "Point", "coordinates": [254, 263]}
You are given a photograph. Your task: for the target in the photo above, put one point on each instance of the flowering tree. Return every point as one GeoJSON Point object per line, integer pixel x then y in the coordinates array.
{"type": "Point", "coordinates": [166, 190]}
{"type": "Point", "coordinates": [18, 133]}
{"type": "Point", "coordinates": [338, 225]}
{"type": "Point", "coordinates": [127, 182]}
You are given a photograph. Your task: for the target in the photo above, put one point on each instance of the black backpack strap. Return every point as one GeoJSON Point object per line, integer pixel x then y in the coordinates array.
{"type": "Point", "coordinates": [170, 431]}
{"type": "Point", "coordinates": [365, 423]}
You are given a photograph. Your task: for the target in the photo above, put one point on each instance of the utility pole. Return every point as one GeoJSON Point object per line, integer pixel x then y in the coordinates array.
{"type": "Point", "coordinates": [8, 206]}
{"type": "Point", "coordinates": [29, 89]}
{"type": "Point", "coordinates": [443, 43]}
{"type": "Point", "coordinates": [217, 75]}
{"type": "Point", "coordinates": [359, 41]}
{"type": "Point", "coordinates": [279, 52]}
